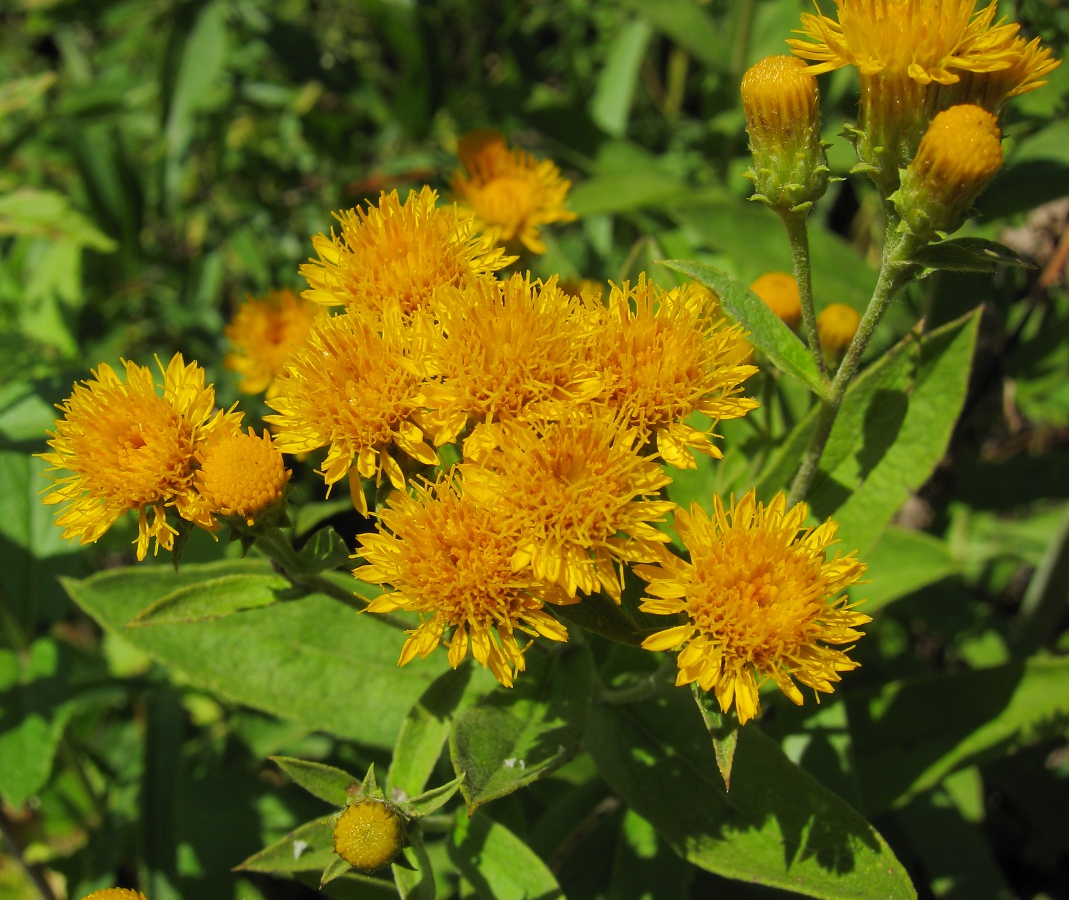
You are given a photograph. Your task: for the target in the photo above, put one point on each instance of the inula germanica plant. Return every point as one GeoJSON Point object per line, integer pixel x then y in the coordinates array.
{"type": "Point", "coordinates": [604, 533]}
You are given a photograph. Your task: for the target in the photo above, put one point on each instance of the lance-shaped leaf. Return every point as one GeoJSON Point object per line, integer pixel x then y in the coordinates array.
{"type": "Point", "coordinates": [969, 254]}
{"type": "Point", "coordinates": [767, 332]}
{"type": "Point", "coordinates": [214, 599]}
{"type": "Point", "coordinates": [497, 863]}
{"type": "Point", "coordinates": [515, 736]}
{"type": "Point", "coordinates": [309, 848]}
{"type": "Point", "coordinates": [322, 781]}
{"type": "Point", "coordinates": [778, 827]}
{"type": "Point", "coordinates": [909, 735]}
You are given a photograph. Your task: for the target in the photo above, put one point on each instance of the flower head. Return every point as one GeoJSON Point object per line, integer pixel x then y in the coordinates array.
{"type": "Point", "coordinates": [916, 57]}
{"type": "Point", "coordinates": [263, 331]}
{"type": "Point", "coordinates": [665, 355]}
{"type": "Point", "coordinates": [128, 448]}
{"type": "Point", "coordinates": [115, 894]}
{"type": "Point", "coordinates": [509, 191]}
{"type": "Point", "coordinates": [241, 476]}
{"type": "Point", "coordinates": [398, 252]}
{"type": "Point", "coordinates": [836, 326]}
{"type": "Point", "coordinates": [450, 560]}
{"type": "Point", "coordinates": [762, 601]}
{"type": "Point", "coordinates": [782, 107]}
{"type": "Point", "coordinates": [780, 293]}
{"type": "Point", "coordinates": [580, 494]}
{"type": "Point", "coordinates": [353, 389]}
{"type": "Point", "coordinates": [369, 833]}
{"type": "Point", "coordinates": [513, 349]}
{"type": "Point", "coordinates": [960, 153]}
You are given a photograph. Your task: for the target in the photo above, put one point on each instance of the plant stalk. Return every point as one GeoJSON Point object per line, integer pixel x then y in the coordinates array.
{"type": "Point", "coordinates": [798, 235]}
{"type": "Point", "coordinates": [896, 269]}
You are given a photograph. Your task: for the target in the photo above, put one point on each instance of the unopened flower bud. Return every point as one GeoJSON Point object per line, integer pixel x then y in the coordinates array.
{"type": "Point", "coordinates": [959, 154]}
{"type": "Point", "coordinates": [369, 834]}
{"type": "Point", "coordinates": [836, 326]}
{"type": "Point", "coordinates": [780, 293]}
{"type": "Point", "coordinates": [782, 107]}
{"type": "Point", "coordinates": [242, 476]}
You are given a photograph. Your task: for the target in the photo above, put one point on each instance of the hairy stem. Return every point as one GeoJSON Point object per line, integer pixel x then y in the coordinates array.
{"type": "Point", "coordinates": [798, 235]}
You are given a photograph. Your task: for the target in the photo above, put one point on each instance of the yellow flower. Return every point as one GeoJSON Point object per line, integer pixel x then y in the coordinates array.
{"type": "Point", "coordinates": [398, 252]}
{"type": "Point", "coordinates": [665, 355]}
{"type": "Point", "coordinates": [369, 834]}
{"type": "Point", "coordinates": [762, 601]}
{"type": "Point", "coordinates": [836, 327]}
{"type": "Point", "coordinates": [130, 449]}
{"type": "Point", "coordinates": [960, 153]}
{"type": "Point", "coordinates": [912, 56]}
{"type": "Point", "coordinates": [780, 293]}
{"type": "Point", "coordinates": [241, 475]}
{"type": "Point", "coordinates": [512, 349]}
{"type": "Point", "coordinates": [264, 330]}
{"type": "Point", "coordinates": [352, 389]}
{"type": "Point", "coordinates": [450, 560]}
{"type": "Point", "coordinates": [580, 494]}
{"type": "Point", "coordinates": [115, 894]}
{"type": "Point", "coordinates": [509, 191]}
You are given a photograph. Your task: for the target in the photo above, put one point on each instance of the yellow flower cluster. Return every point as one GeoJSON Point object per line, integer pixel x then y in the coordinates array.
{"type": "Point", "coordinates": [916, 58]}
{"type": "Point", "coordinates": [121, 446]}
{"type": "Point", "coordinates": [568, 409]}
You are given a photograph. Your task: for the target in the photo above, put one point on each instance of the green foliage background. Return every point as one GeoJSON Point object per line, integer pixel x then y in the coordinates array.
{"type": "Point", "coordinates": [161, 159]}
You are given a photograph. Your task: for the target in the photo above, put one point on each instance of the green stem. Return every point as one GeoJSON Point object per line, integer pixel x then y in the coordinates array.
{"type": "Point", "coordinates": [798, 235]}
{"type": "Point", "coordinates": [895, 272]}
{"type": "Point", "coordinates": [275, 544]}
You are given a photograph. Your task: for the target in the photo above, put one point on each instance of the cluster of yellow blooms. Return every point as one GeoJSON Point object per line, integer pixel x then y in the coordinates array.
{"type": "Point", "coordinates": [569, 406]}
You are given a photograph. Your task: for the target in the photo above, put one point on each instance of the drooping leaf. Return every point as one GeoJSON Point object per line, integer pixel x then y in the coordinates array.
{"type": "Point", "coordinates": [424, 733]}
{"type": "Point", "coordinates": [497, 863]}
{"type": "Point", "coordinates": [969, 254]}
{"type": "Point", "coordinates": [323, 781]}
{"type": "Point", "coordinates": [767, 331]}
{"type": "Point", "coordinates": [909, 735]}
{"type": "Point", "coordinates": [515, 736]}
{"type": "Point", "coordinates": [266, 658]}
{"type": "Point", "coordinates": [213, 599]}
{"type": "Point", "coordinates": [778, 826]}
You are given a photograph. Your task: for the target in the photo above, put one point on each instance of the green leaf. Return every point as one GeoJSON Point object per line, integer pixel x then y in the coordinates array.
{"type": "Point", "coordinates": [969, 254]}
{"type": "Point", "coordinates": [424, 732]}
{"type": "Point", "coordinates": [778, 827]}
{"type": "Point", "coordinates": [611, 104]}
{"type": "Point", "coordinates": [688, 25]}
{"type": "Point", "coordinates": [325, 550]}
{"type": "Point", "coordinates": [902, 439]}
{"type": "Point", "coordinates": [517, 735]}
{"type": "Point", "coordinates": [35, 706]}
{"type": "Point", "coordinates": [316, 661]}
{"type": "Point", "coordinates": [213, 599]}
{"type": "Point", "coordinates": [333, 869]}
{"type": "Point", "coordinates": [309, 848]}
{"type": "Point", "coordinates": [901, 563]}
{"type": "Point", "coordinates": [767, 331]}
{"type": "Point", "coordinates": [322, 781]}
{"type": "Point", "coordinates": [497, 863]}
{"type": "Point", "coordinates": [47, 214]}
{"type": "Point", "coordinates": [909, 735]}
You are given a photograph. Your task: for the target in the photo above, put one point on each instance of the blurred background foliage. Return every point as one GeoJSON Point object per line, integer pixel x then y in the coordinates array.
{"type": "Point", "coordinates": [161, 159]}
